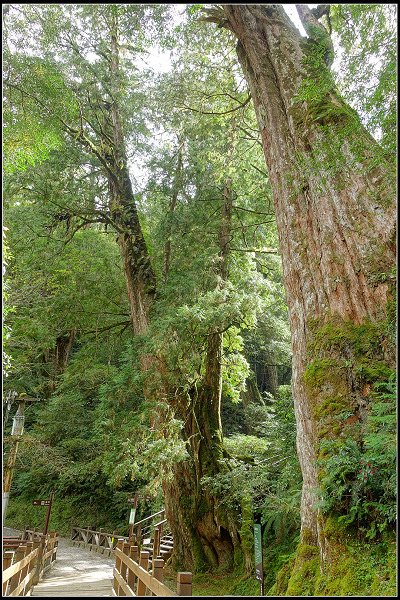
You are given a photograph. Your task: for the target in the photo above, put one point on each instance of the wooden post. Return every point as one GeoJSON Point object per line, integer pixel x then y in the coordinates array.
{"type": "Point", "coordinates": [87, 537]}
{"type": "Point", "coordinates": [38, 572]}
{"type": "Point", "coordinates": [124, 568]}
{"type": "Point", "coordinates": [15, 579]}
{"type": "Point", "coordinates": [7, 560]}
{"type": "Point", "coordinates": [26, 569]}
{"type": "Point", "coordinates": [36, 544]}
{"type": "Point", "coordinates": [53, 534]}
{"type": "Point", "coordinates": [45, 549]}
{"type": "Point", "coordinates": [144, 563]}
{"type": "Point", "coordinates": [134, 555]}
{"type": "Point", "coordinates": [158, 570]}
{"type": "Point", "coordinates": [31, 567]}
{"type": "Point", "coordinates": [46, 525]}
{"type": "Point", "coordinates": [184, 584]}
{"type": "Point", "coordinates": [156, 543]}
{"type": "Point", "coordinates": [118, 562]}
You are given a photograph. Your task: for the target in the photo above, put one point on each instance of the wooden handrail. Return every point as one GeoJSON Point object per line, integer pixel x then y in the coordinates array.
{"type": "Point", "coordinates": [99, 541]}
{"type": "Point", "coordinates": [18, 577]}
{"type": "Point", "coordinates": [150, 517]}
{"type": "Point", "coordinates": [128, 574]}
{"type": "Point", "coordinates": [102, 541]}
{"type": "Point", "coordinates": [161, 523]}
{"type": "Point", "coordinates": [16, 567]}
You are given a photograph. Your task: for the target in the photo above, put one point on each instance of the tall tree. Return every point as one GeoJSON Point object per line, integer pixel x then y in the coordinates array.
{"type": "Point", "coordinates": [334, 200]}
{"type": "Point", "coordinates": [82, 86]}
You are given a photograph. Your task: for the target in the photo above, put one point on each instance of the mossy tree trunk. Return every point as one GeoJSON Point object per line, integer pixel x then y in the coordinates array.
{"type": "Point", "coordinates": [334, 195]}
{"type": "Point", "coordinates": [140, 277]}
{"type": "Point", "coordinates": [201, 533]}
{"type": "Point", "coordinates": [56, 360]}
{"type": "Point", "coordinates": [176, 188]}
{"type": "Point", "coordinates": [210, 534]}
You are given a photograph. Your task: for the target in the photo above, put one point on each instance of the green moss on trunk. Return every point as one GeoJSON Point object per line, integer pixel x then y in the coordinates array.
{"type": "Point", "coordinates": [355, 568]}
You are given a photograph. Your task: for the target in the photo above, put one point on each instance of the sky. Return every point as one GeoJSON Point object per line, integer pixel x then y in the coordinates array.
{"type": "Point", "coordinates": [160, 61]}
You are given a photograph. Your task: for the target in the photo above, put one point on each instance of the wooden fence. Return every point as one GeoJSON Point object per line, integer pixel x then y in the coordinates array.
{"type": "Point", "coordinates": [105, 543]}
{"type": "Point", "coordinates": [132, 576]}
{"type": "Point", "coordinates": [97, 541]}
{"type": "Point", "coordinates": [25, 561]}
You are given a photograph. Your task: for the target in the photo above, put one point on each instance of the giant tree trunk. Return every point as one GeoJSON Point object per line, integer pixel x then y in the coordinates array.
{"type": "Point", "coordinates": [334, 201]}
{"type": "Point", "coordinates": [57, 359]}
{"type": "Point", "coordinates": [208, 534]}
{"type": "Point", "coordinates": [139, 275]}
{"type": "Point", "coordinates": [205, 535]}
{"type": "Point", "coordinates": [201, 537]}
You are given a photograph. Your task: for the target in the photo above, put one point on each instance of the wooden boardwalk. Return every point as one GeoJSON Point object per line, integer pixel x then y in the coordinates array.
{"type": "Point", "coordinates": [77, 572]}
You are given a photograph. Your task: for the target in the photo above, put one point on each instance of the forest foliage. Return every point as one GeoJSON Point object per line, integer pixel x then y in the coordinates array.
{"type": "Point", "coordinates": [68, 337]}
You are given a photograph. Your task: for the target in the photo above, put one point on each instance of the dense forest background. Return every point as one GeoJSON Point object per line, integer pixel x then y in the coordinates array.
{"type": "Point", "coordinates": [82, 110]}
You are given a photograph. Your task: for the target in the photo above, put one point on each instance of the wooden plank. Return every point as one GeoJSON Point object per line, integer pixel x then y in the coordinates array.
{"type": "Point", "coordinates": [144, 564]}
{"type": "Point", "coordinates": [21, 586]}
{"type": "Point", "coordinates": [122, 584]}
{"type": "Point", "coordinates": [155, 586]}
{"type": "Point", "coordinates": [19, 565]}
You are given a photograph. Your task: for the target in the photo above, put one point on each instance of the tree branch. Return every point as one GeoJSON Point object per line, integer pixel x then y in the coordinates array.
{"type": "Point", "coordinates": [255, 250]}
{"type": "Point", "coordinates": [225, 112]}
{"type": "Point", "coordinates": [120, 324]}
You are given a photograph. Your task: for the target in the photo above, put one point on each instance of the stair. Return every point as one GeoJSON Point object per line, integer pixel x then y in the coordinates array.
{"type": "Point", "coordinates": [166, 547]}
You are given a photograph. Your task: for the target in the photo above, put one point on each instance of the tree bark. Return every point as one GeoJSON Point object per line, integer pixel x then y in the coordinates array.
{"type": "Point", "coordinates": [334, 201]}
{"type": "Point", "coordinates": [57, 359]}
{"type": "Point", "coordinates": [140, 277]}
{"type": "Point", "coordinates": [201, 536]}
{"type": "Point", "coordinates": [210, 534]}
{"type": "Point", "coordinates": [176, 186]}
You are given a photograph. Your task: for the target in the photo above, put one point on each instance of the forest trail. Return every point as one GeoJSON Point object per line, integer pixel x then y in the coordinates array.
{"type": "Point", "coordinates": [76, 573]}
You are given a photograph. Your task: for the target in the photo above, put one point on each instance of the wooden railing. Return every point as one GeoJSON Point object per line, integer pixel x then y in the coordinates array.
{"type": "Point", "coordinates": [132, 577]}
{"type": "Point", "coordinates": [143, 529]}
{"type": "Point", "coordinates": [25, 562]}
{"type": "Point", "coordinates": [11, 542]}
{"type": "Point", "coordinates": [149, 530]}
{"type": "Point", "coordinates": [97, 541]}
{"type": "Point", "coordinates": [31, 534]}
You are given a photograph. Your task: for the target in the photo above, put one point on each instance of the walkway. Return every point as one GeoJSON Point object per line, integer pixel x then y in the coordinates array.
{"type": "Point", "coordinates": [76, 573]}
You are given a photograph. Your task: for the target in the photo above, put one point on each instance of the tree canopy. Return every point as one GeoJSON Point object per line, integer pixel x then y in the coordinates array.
{"type": "Point", "coordinates": [199, 280]}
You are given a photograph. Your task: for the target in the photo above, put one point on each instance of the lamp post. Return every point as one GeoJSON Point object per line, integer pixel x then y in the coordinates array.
{"type": "Point", "coordinates": [132, 515]}
{"type": "Point", "coordinates": [16, 432]}
{"type": "Point", "coordinates": [11, 396]}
